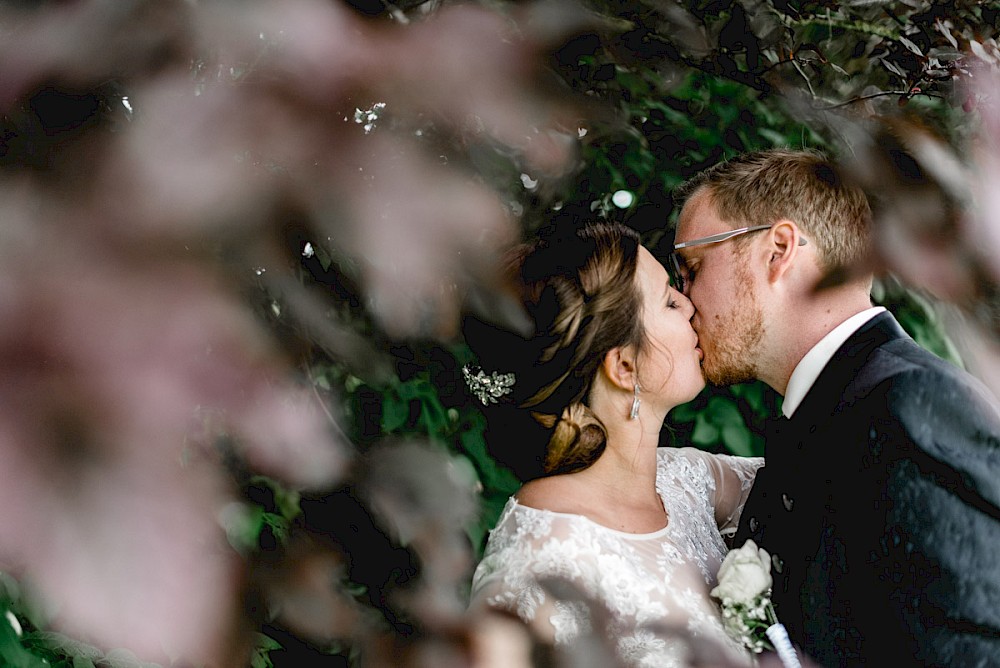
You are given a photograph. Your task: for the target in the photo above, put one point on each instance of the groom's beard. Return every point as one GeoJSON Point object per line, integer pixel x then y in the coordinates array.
{"type": "Point", "coordinates": [732, 356]}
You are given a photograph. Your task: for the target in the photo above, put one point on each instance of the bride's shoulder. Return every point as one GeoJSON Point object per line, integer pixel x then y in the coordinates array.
{"type": "Point", "coordinates": [559, 493]}
{"type": "Point", "coordinates": [688, 466]}
{"type": "Point", "coordinates": [669, 453]}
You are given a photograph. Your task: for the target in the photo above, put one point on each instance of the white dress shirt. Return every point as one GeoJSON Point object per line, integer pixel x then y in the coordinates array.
{"type": "Point", "coordinates": [809, 367]}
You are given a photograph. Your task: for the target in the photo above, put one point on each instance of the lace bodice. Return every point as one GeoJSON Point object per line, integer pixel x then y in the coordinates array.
{"type": "Point", "coordinates": [647, 581]}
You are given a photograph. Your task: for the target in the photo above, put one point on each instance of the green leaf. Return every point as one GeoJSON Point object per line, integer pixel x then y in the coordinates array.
{"type": "Point", "coordinates": [433, 417]}
{"type": "Point", "coordinates": [738, 440]}
{"type": "Point", "coordinates": [58, 642]}
{"type": "Point", "coordinates": [263, 646]}
{"type": "Point", "coordinates": [263, 641]}
{"type": "Point", "coordinates": [704, 433]}
{"type": "Point", "coordinates": [279, 525]}
{"type": "Point", "coordinates": [492, 474]}
{"type": "Point", "coordinates": [723, 411]}
{"type": "Point", "coordinates": [776, 138]}
{"type": "Point", "coordinates": [288, 501]}
{"type": "Point", "coordinates": [12, 652]}
{"type": "Point", "coordinates": [753, 395]}
{"type": "Point", "coordinates": [395, 413]}
{"type": "Point", "coordinates": [242, 523]}
{"type": "Point", "coordinates": [683, 413]}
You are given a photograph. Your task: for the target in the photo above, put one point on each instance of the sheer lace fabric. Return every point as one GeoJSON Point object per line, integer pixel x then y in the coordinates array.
{"type": "Point", "coordinates": [649, 582]}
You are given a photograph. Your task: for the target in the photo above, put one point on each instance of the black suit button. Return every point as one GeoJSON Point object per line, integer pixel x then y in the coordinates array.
{"type": "Point", "coordinates": [787, 502]}
{"type": "Point", "coordinates": [754, 525]}
{"type": "Point", "coordinates": [779, 563]}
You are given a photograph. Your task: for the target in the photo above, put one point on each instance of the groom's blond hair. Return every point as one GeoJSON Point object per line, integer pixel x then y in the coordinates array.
{"type": "Point", "coordinates": [800, 185]}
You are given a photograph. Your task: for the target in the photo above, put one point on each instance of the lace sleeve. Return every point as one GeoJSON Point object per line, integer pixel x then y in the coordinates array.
{"type": "Point", "coordinates": [734, 477]}
{"type": "Point", "coordinates": [527, 549]}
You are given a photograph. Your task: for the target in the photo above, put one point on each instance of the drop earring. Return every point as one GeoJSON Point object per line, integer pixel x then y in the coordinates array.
{"type": "Point", "coordinates": [634, 413]}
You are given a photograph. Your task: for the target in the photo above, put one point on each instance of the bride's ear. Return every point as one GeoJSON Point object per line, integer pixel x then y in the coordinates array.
{"type": "Point", "coordinates": [619, 368]}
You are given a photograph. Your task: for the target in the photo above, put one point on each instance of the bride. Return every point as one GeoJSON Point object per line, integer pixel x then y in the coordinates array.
{"type": "Point", "coordinates": [578, 407]}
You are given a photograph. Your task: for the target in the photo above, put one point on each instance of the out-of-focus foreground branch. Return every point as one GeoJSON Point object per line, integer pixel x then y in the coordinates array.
{"type": "Point", "coordinates": [160, 160]}
{"type": "Point", "coordinates": [166, 163]}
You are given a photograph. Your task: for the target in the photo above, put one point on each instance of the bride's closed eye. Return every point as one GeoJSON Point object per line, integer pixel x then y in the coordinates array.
{"type": "Point", "coordinates": [674, 298]}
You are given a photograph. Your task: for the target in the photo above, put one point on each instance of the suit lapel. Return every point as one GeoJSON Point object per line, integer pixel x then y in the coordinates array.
{"type": "Point", "coordinates": [828, 391]}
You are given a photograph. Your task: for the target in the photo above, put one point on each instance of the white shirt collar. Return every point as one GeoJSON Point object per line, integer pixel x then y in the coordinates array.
{"type": "Point", "coordinates": [809, 367]}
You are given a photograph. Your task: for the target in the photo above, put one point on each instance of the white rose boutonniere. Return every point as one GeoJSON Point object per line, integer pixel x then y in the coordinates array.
{"type": "Point", "coordinates": [744, 591]}
{"type": "Point", "coordinates": [745, 574]}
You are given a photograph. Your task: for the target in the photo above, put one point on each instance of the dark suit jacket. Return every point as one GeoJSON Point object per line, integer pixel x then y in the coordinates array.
{"type": "Point", "coordinates": [880, 504]}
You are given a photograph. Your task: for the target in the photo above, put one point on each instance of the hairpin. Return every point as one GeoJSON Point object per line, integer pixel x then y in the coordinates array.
{"type": "Point", "coordinates": [489, 388]}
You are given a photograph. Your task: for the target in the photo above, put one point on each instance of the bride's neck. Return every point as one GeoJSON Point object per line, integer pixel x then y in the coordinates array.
{"type": "Point", "coordinates": [628, 463]}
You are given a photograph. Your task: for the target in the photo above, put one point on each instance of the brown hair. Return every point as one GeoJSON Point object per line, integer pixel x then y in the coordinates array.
{"type": "Point", "coordinates": [579, 292]}
{"type": "Point", "coordinates": [800, 185]}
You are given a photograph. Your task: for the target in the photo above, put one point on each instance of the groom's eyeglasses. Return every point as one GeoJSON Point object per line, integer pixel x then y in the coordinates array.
{"type": "Point", "coordinates": [682, 276]}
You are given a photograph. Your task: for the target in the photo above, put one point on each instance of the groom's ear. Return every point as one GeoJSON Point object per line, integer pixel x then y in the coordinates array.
{"type": "Point", "coordinates": [784, 239]}
{"type": "Point", "coordinates": [619, 367]}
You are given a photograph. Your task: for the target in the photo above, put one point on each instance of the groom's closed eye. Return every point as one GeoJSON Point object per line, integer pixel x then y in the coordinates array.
{"type": "Point", "coordinates": [677, 269]}
{"type": "Point", "coordinates": [687, 274]}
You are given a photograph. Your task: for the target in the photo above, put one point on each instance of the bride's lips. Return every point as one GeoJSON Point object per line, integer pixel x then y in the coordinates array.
{"type": "Point", "coordinates": [697, 348]}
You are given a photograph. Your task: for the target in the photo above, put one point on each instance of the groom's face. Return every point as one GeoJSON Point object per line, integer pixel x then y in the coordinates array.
{"type": "Point", "coordinates": [729, 320]}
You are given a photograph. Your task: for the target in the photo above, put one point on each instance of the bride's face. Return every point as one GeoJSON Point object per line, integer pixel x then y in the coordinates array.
{"type": "Point", "coordinates": [670, 363]}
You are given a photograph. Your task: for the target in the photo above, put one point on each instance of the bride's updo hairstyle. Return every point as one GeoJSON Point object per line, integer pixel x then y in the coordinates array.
{"type": "Point", "coordinates": [578, 289]}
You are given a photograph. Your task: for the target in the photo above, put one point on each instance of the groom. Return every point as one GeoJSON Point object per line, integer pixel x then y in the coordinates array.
{"type": "Point", "coordinates": [880, 500]}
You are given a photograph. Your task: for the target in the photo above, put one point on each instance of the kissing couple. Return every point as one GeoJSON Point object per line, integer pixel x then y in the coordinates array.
{"type": "Point", "coordinates": [879, 504]}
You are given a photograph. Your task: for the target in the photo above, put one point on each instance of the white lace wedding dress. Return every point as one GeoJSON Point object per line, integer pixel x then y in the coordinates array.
{"type": "Point", "coordinates": [649, 582]}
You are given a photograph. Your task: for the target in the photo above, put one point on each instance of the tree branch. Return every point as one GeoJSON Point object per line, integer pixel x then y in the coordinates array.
{"type": "Point", "coordinates": [885, 93]}
{"type": "Point", "coordinates": [843, 24]}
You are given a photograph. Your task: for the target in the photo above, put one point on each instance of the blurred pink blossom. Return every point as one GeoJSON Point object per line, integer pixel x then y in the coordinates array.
{"type": "Point", "coordinates": [129, 351]}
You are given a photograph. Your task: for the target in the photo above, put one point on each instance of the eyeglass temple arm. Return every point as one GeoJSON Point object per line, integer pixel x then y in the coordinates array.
{"type": "Point", "coordinates": [722, 236]}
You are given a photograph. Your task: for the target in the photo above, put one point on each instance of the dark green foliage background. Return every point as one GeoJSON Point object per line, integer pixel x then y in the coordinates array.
{"type": "Point", "coordinates": [670, 109]}
{"type": "Point", "coordinates": [660, 138]}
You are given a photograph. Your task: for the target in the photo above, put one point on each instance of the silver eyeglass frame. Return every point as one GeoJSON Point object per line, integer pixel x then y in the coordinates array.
{"type": "Point", "coordinates": [675, 262]}
{"type": "Point", "coordinates": [721, 236]}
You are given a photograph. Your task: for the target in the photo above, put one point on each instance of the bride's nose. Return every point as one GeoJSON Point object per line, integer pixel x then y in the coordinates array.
{"type": "Point", "coordinates": [686, 304]}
